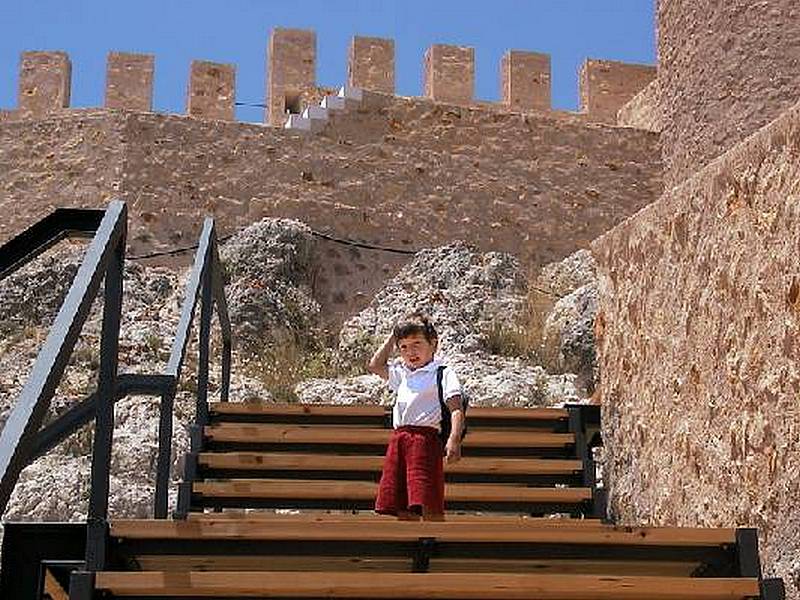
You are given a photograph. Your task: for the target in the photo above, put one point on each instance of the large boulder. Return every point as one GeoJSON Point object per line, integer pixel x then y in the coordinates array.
{"type": "Point", "coordinates": [569, 332]}
{"type": "Point", "coordinates": [269, 296]}
{"type": "Point", "coordinates": [565, 276]}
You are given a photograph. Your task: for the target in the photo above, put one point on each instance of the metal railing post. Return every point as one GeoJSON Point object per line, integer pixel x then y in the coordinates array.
{"type": "Point", "coordinates": [97, 531]}
{"type": "Point", "coordinates": [164, 453]}
{"type": "Point", "coordinates": [206, 311]}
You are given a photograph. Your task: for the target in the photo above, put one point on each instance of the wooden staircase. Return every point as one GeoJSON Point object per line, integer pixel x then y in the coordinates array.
{"type": "Point", "coordinates": [500, 540]}
{"type": "Point", "coordinates": [330, 457]}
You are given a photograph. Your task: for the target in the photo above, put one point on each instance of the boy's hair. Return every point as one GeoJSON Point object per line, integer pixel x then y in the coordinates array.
{"type": "Point", "coordinates": [414, 323]}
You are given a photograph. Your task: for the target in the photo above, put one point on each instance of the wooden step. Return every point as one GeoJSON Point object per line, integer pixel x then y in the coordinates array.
{"type": "Point", "coordinates": [262, 433]}
{"type": "Point", "coordinates": [389, 564]}
{"type": "Point", "coordinates": [366, 518]}
{"type": "Point", "coordinates": [468, 465]}
{"type": "Point", "coordinates": [376, 411]}
{"type": "Point", "coordinates": [442, 586]}
{"type": "Point", "coordinates": [402, 531]}
{"type": "Point", "coordinates": [314, 489]}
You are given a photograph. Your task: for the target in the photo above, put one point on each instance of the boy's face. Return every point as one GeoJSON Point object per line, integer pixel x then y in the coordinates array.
{"type": "Point", "coordinates": [416, 351]}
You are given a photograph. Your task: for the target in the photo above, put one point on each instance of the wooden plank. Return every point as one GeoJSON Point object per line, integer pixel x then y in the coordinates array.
{"type": "Point", "coordinates": [368, 517]}
{"type": "Point", "coordinates": [315, 410]}
{"type": "Point", "coordinates": [187, 562]}
{"type": "Point", "coordinates": [284, 461]}
{"type": "Point", "coordinates": [366, 490]}
{"type": "Point", "coordinates": [439, 586]}
{"type": "Point", "coordinates": [268, 433]}
{"type": "Point", "coordinates": [404, 531]}
{"type": "Point", "coordinates": [374, 410]}
{"type": "Point", "coordinates": [159, 562]}
{"type": "Point", "coordinates": [53, 588]}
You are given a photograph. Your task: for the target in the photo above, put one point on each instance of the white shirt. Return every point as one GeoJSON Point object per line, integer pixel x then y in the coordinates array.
{"type": "Point", "coordinates": [417, 401]}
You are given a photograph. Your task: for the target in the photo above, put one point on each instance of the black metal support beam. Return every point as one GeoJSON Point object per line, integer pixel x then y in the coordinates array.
{"type": "Point", "coordinates": [772, 589]}
{"type": "Point", "coordinates": [747, 556]}
{"type": "Point", "coordinates": [164, 453]}
{"type": "Point", "coordinates": [206, 312]}
{"type": "Point", "coordinates": [422, 555]}
{"type": "Point", "coordinates": [96, 549]}
{"type": "Point", "coordinates": [81, 586]}
{"type": "Point", "coordinates": [82, 413]}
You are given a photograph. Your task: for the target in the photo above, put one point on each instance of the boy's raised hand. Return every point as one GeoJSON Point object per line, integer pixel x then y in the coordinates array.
{"type": "Point", "coordinates": [452, 450]}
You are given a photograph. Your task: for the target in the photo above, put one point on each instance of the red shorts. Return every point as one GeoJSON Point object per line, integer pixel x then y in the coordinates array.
{"type": "Point", "coordinates": [413, 473]}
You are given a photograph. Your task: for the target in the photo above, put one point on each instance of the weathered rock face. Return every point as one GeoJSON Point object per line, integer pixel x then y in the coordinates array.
{"type": "Point", "coordinates": [466, 293]}
{"type": "Point", "coordinates": [362, 389]}
{"type": "Point", "coordinates": [269, 265]}
{"type": "Point", "coordinates": [564, 277]}
{"type": "Point", "coordinates": [569, 328]}
{"type": "Point", "coordinates": [700, 319]}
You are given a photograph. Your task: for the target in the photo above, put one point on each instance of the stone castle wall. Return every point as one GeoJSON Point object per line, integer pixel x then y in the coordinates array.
{"type": "Point", "coordinates": [726, 70]}
{"type": "Point", "coordinates": [699, 347]}
{"type": "Point", "coordinates": [448, 74]}
{"type": "Point", "coordinates": [405, 173]}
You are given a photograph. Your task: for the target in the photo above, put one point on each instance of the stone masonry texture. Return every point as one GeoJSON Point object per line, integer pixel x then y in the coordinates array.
{"type": "Point", "coordinates": [726, 69]}
{"type": "Point", "coordinates": [292, 72]}
{"type": "Point", "coordinates": [607, 85]}
{"type": "Point", "coordinates": [370, 64]}
{"type": "Point", "coordinates": [212, 91]}
{"type": "Point", "coordinates": [129, 81]}
{"type": "Point", "coordinates": [450, 73]}
{"type": "Point", "coordinates": [45, 80]}
{"type": "Point", "coordinates": [525, 80]}
{"type": "Point", "coordinates": [643, 111]}
{"type": "Point", "coordinates": [406, 174]}
{"type": "Point", "coordinates": [699, 350]}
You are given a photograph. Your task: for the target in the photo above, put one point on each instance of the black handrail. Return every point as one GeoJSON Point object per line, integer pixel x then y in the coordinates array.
{"type": "Point", "coordinates": [205, 285]}
{"type": "Point", "coordinates": [58, 225]}
{"type": "Point", "coordinates": [103, 259]}
{"type": "Point", "coordinates": [21, 441]}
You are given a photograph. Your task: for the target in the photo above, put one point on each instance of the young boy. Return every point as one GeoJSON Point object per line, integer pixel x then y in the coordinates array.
{"type": "Point", "coordinates": [412, 483]}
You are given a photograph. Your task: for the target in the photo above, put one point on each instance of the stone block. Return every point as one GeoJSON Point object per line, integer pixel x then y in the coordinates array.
{"type": "Point", "coordinates": [370, 64]}
{"type": "Point", "coordinates": [129, 81]}
{"type": "Point", "coordinates": [45, 79]}
{"type": "Point", "coordinates": [450, 73]}
{"type": "Point", "coordinates": [212, 91]}
{"type": "Point", "coordinates": [292, 73]}
{"type": "Point", "coordinates": [525, 80]}
{"type": "Point", "coordinates": [606, 86]}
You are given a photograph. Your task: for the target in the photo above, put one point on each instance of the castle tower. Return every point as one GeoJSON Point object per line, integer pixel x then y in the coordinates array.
{"type": "Point", "coordinates": [45, 79]}
{"type": "Point", "coordinates": [726, 69]}
{"type": "Point", "coordinates": [450, 73]}
{"type": "Point", "coordinates": [370, 64]}
{"type": "Point", "coordinates": [525, 80]}
{"type": "Point", "coordinates": [292, 72]}
{"type": "Point", "coordinates": [129, 81]}
{"type": "Point", "coordinates": [212, 91]}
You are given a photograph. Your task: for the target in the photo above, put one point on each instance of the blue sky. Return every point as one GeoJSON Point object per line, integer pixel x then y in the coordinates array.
{"type": "Point", "coordinates": [236, 31]}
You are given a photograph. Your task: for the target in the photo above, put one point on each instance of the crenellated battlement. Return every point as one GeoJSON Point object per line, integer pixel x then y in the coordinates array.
{"type": "Point", "coordinates": [448, 77]}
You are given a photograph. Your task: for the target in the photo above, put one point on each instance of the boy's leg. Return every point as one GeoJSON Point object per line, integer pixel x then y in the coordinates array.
{"type": "Point", "coordinates": [425, 473]}
{"type": "Point", "coordinates": [392, 493]}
